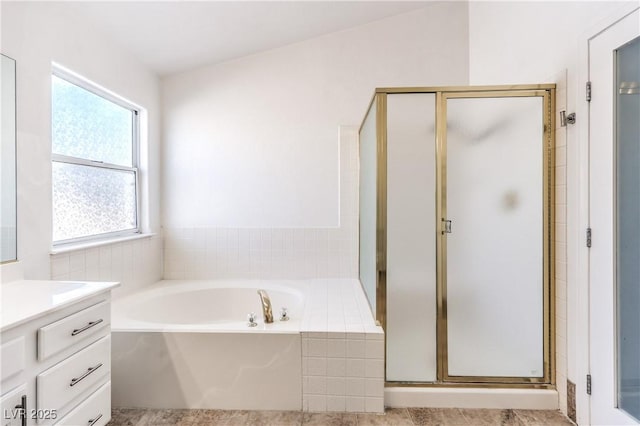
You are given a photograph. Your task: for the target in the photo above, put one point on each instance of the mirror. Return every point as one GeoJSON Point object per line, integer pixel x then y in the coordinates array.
{"type": "Point", "coordinates": [8, 245]}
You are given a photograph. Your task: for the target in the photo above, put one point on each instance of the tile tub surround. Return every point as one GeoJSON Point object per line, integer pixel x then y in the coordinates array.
{"type": "Point", "coordinates": [330, 360]}
{"type": "Point", "coordinates": [343, 372]}
{"type": "Point", "coordinates": [560, 248]}
{"type": "Point", "coordinates": [342, 351]}
{"type": "Point", "coordinates": [391, 417]}
{"type": "Point", "coordinates": [135, 264]}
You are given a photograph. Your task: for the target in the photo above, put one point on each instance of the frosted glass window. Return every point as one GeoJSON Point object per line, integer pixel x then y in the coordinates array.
{"type": "Point", "coordinates": [94, 153]}
{"type": "Point", "coordinates": [92, 201]}
{"type": "Point", "coordinates": [86, 125]}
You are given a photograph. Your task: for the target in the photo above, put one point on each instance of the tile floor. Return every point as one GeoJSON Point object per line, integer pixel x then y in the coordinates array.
{"type": "Point", "coordinates": [392, 417]}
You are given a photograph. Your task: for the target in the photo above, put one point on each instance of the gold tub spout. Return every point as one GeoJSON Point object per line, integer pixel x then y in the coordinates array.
{"type": "Point", "coordinates": [266, 306]}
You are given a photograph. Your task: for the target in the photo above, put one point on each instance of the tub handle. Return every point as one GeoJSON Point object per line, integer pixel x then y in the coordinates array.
{"type": "Point", "coordinates": [284, 314]}
{"type": "Point", "coordinates": [252, 319]}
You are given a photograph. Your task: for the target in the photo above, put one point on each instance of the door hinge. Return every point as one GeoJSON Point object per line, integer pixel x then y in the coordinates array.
{"type": "Point", "coordinates": [589, 237]}
{"type": "Point", "coordinates": [588, 91]}
{"type": "Point", "coordinates": [588, 384]}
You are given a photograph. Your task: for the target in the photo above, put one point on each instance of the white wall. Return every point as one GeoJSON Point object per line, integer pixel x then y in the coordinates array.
{"type": "Point", "coordinates": [530, 41]}
{"type": "Point", "coordinates": [539, 42]}
{"type": "Point", "coordinates": [258, 180]}
{"type": "Point", "coordinates": [35, 34]}
{"type": "Point", "coordinates": [263, 253]}
{"type": "Point", "coordinates": [253, 142]}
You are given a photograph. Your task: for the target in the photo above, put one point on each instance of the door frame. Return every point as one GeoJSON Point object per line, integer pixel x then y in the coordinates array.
{"type": "Point", "coordinates": [578, 218]}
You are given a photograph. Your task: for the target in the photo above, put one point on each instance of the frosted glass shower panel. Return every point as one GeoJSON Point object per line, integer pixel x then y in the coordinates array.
{"type": "Point", "coordinates": [368, 205]}
{"type": "Point", "coordinates": [495, 252]}
{"type": "Point", "coordinates": [411, 238]}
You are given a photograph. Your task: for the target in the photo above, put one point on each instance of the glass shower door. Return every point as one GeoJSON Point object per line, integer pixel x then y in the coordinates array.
{"type": "Point", "coordinates": [492, 222]}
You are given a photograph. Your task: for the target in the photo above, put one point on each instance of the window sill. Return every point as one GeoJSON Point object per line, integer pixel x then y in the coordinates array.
{"type": "Point", "coordinates": [66, 248]}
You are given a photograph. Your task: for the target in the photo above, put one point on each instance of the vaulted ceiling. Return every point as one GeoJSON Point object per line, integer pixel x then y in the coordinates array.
{"type": "Point", "coordinates": [174, 36]}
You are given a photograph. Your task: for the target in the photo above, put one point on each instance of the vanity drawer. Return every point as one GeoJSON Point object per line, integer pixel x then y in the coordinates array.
{"type": "Point", "coordinates": [68, 331]}
{"type": "Point", "coordinates": [68, 379]}
{"type": "Point", "coordinates": [8, 403]}
{"type": "Point", "coordinates": [11, 359]}
{"type": "Point", "coordinates": [93, 411]}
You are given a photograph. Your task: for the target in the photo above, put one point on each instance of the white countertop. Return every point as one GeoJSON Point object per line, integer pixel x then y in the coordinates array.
{"type": "Point", "coordinates": [25, 300]}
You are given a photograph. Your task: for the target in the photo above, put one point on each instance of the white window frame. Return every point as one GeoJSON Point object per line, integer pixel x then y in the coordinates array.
{"type": "Point", "coordinates": [59, 158]}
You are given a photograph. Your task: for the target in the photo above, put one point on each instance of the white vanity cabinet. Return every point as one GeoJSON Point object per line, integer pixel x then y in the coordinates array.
{"type": "Point", "coordinates": [57, 356]}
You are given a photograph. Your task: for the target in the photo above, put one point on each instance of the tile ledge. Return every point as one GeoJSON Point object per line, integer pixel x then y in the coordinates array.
{"type": "Point", "coordinates": [67, 248]}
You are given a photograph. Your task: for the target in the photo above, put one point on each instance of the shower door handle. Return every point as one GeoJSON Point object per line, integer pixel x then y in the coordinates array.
{"type": "Point", "coordinates": [446, 226]}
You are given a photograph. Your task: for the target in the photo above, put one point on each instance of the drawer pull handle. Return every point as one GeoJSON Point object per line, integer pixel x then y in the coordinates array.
{"type": "Point", "coordinates": [94, 421]}
{"type": "Point", "coordinates": [86, 327]}
{"type": "Point", "coordinates": [23, 410]}
{"type": "Point", "coordinates": [90, 370]}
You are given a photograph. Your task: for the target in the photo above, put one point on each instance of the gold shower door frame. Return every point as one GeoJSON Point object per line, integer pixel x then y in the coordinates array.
{"type": "Point", "coordinates": [545, 91]}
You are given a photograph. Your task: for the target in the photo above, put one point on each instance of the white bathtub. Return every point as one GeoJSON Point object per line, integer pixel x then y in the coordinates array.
{"type": "Point", "coordinates": [186, 344]}
{"type": "Point", "coordinates": [221, 306]}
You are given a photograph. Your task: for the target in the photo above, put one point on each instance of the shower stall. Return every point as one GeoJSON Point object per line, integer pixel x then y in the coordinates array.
{"type": "Point", "coordinates": [456, 231]}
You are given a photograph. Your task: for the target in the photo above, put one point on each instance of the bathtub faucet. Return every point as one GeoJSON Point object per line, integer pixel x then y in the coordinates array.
{"type": "Point", "coordinates": [266, 306]}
